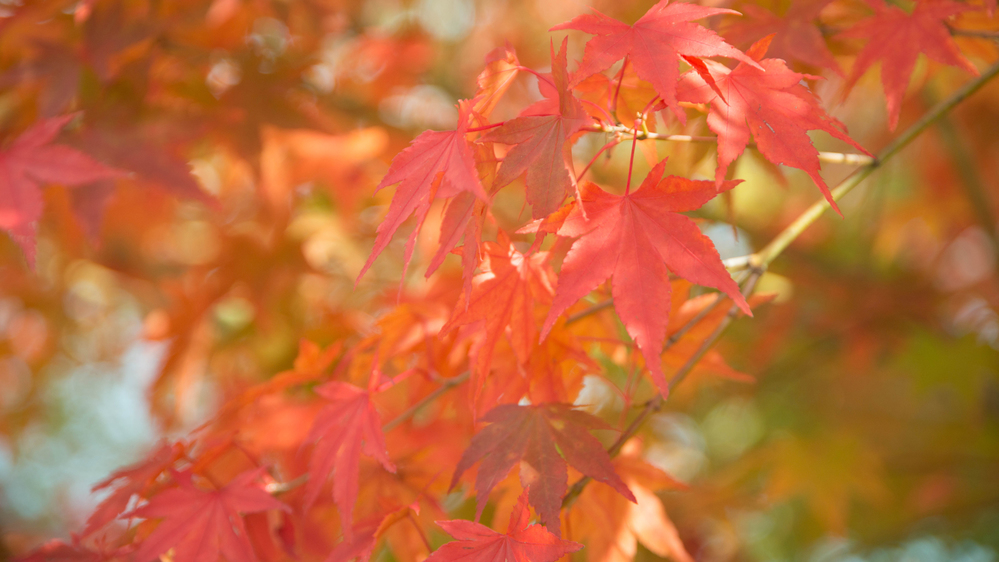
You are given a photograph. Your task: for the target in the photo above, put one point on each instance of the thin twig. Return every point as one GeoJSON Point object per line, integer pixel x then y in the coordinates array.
{"type": "Point", "coordinates": [446, 386]}
{"type": "Point", "coordinates": [733, 311]}
{"type": "Point", "coordinates": [737, 263]}
{"type": "Point", "coordinates": [848, 158]}
{"type": "Point", "coordinates": [830, 157]}
{"type": "Point", "coordinates": [682, 330]}
{"type": "Point", "coordinates": [589, 311]}
{"type": "Point", "coordinates": [979, 33]}
{"type": "Point", "coordinates": [672, 339]}
{"type": "Point", "coordinates": [275, 488]}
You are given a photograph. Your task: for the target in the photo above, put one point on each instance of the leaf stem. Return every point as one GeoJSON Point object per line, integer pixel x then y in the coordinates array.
{"type": "Point", "coordinates": [610, 118]}
{"type": "Point", "coordinates": [485, 127]}
{"type": "Point", "coordinates": [275, 488]}
{"type": "Point", "coordinates": [610, 144]}
{"type": "Point", "coordinates": [679, 333]}
{"type": "Point", "coordinates": [631, 162]}
{"type": "Point", "coordinates": [537, 75]}
{"type": "Point", "coordinates": [589, 311]}
{"type": "Point", "coordinates": [620, 80]}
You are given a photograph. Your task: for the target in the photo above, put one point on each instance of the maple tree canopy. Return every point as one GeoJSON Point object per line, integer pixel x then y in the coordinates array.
{"type": "Point", "coordinates": [489, 281]}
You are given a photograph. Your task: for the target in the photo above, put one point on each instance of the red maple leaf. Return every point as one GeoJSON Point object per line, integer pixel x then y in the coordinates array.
{"type": "Point", "coordinates": [637, 239]}
{"type": "Point", "coordinates": [131, 480]}
{"type": "Point", "coordinates": [654, 44]}
{"type": "Point", "coordinates": [541, 136]}
{"type": "Point", "coordinates": [772, 106]}
{"type": "Point", "coordinates": [797, 36]}
{"type": "Point", "coordinates": [504, 295]}
{"type": "Point", "coordinates": [531, 434]}
{"type": "Point", "coordinates": [202, 524]}
{"type": "Point", "coordinates": [897, 38]}
{"type": "Point", "coordinates": [436, 164]}
{"type": "Point", "coordinates": [521, 543]}
{"type": "Point", "coordinates": [28, 163]}
{"type": "Point", "coordinates": [462, 222]}
{"type": "Point", "coordinates": [342, 430]}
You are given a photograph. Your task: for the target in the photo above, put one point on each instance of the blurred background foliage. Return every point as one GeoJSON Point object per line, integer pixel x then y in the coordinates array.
{"type": "Point", "coordinates": [256, 132]}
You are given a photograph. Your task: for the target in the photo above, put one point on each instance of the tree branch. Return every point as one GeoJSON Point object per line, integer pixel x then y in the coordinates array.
{"type": "Point", "coordinates": [979, 33]}
{"type": "Point", "coordinates": [776, 246]}
{"type": "Point", "coordinates": [831, 157]}
{"type": "Point", "coordinates": [446, 386]}
{"type": "Point", "coordinates": [589, 311]}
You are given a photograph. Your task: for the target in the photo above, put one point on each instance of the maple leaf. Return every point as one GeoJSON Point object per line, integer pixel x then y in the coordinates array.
{"type": "Point", "coordinates": [613, 527]}
{"type": "Point", "coordinates": [634, 238]}
{"type": "Point", "coordinates": [541, 144]}
{"type": "Point", "coordinates": [896, 39]}
{"type": "Point", "coordinates": [131, 480]}
{"type": "Point", "coordinates": [463, 219]}
{"type": "Point", "coordinates": [521, 543]}
{"type": "Point", "coordinates": [504, 296]}
{"type": "Point", "coordinates": [200, 525]}
{"type": "Point", "coordinates": [531, 434]}
{"type": "Point", "coordinates": [770, 105]}
{"type": "Point", "coordinates": [342, 430]}
{"type": "Point", "coordinates": [654, 44]}
{"type": "Point", "coordinates": [31, 161]}
{"type": "Point", "coordinates": [796, 34]}
{"type": "Point", "coordinates": [436, 164]}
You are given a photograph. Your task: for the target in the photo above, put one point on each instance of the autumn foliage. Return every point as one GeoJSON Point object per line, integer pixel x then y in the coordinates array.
{"type": "Point", "coordinates": [421, 287]}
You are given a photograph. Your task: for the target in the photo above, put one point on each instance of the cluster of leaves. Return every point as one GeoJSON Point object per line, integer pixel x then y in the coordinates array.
{"type": "Point", "coordinates": [500, 368]}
